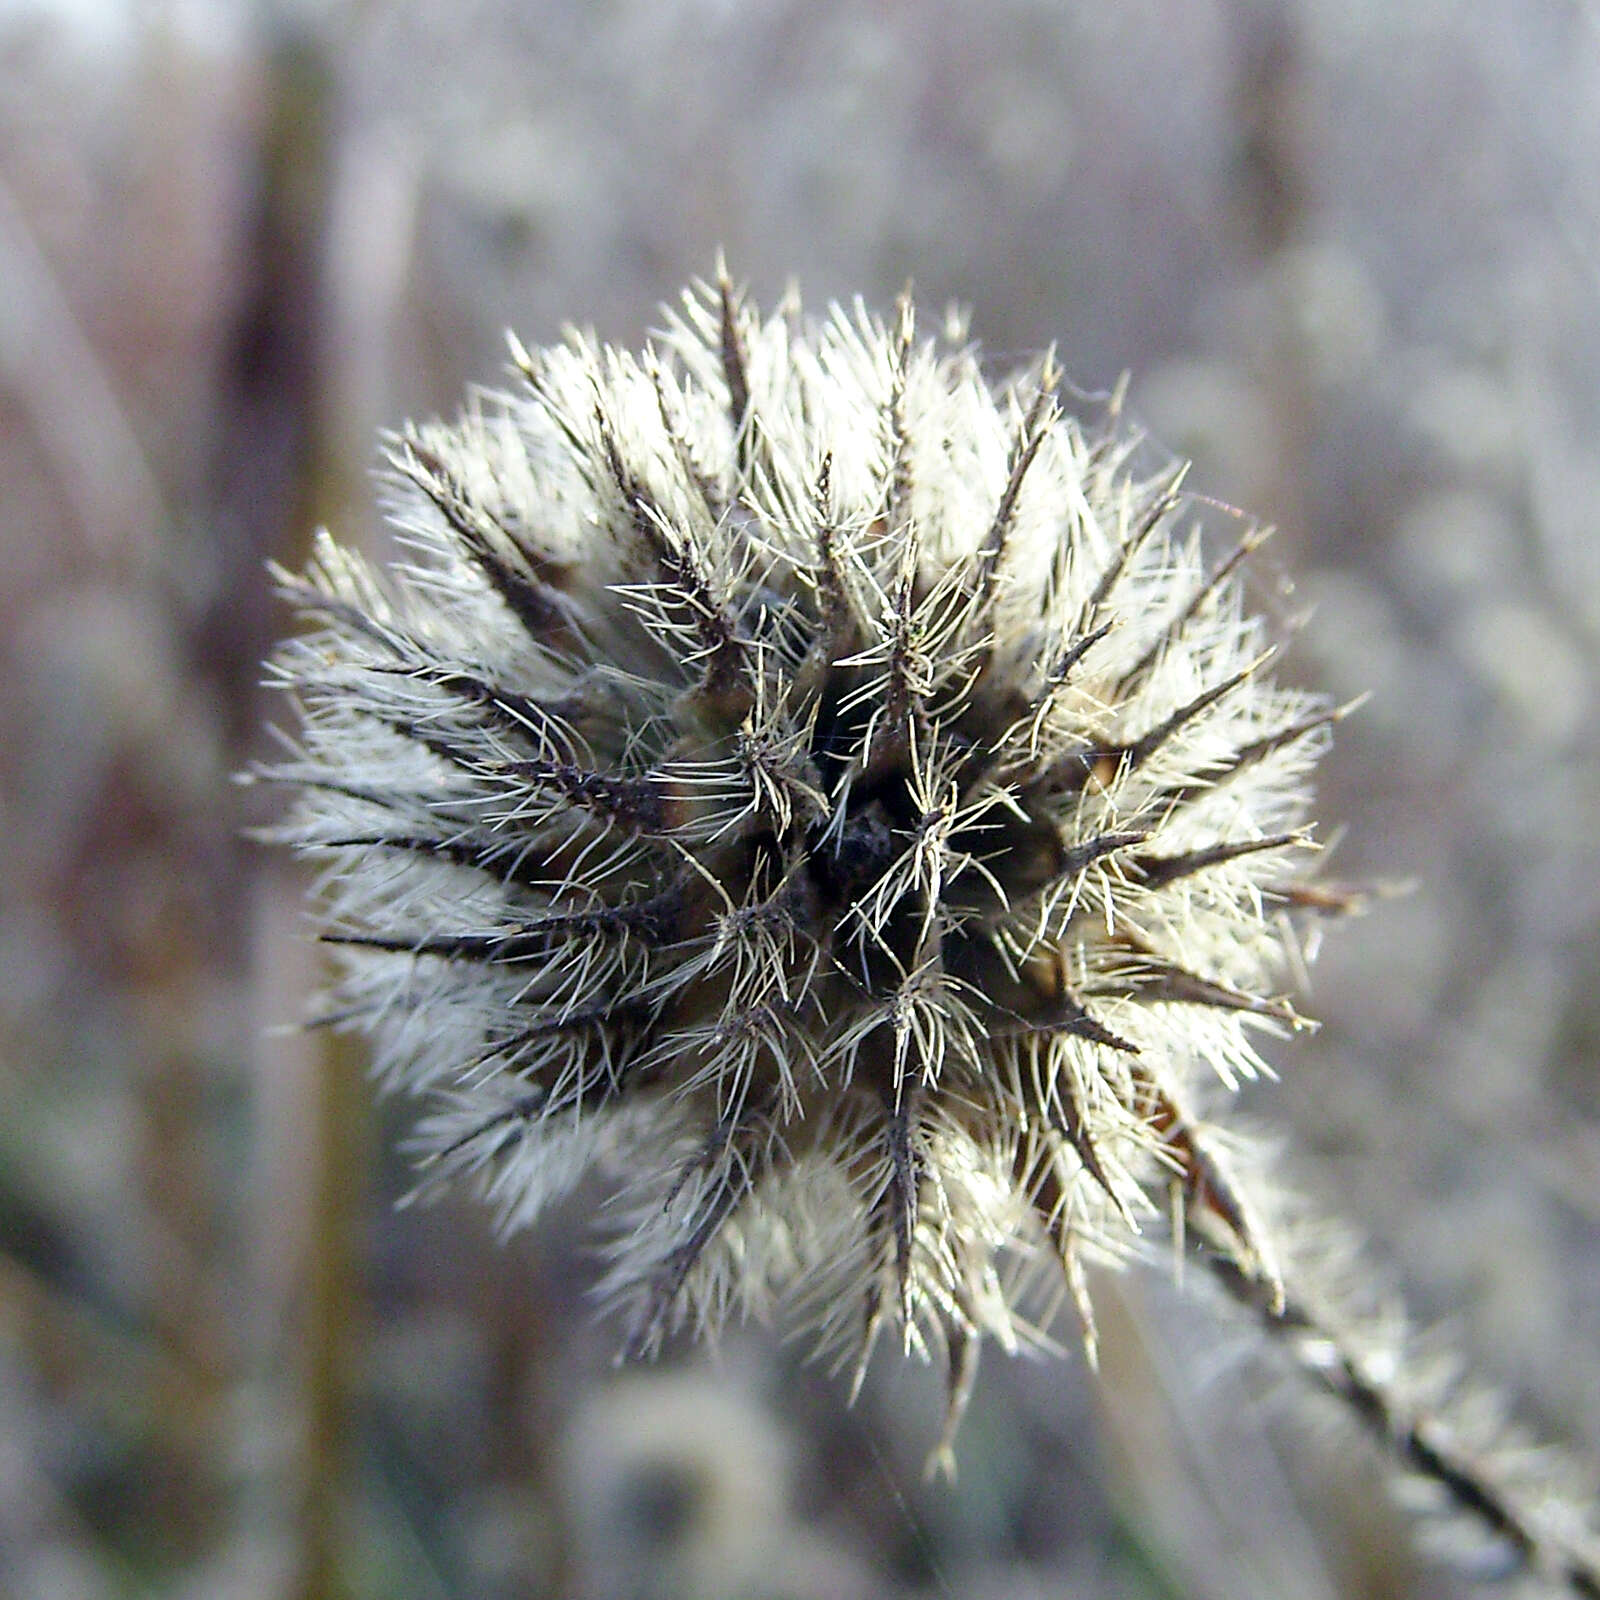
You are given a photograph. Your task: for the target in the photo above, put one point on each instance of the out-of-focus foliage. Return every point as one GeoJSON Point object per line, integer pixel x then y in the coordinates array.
{"type": "Point", "coordinates": [1351, 256]}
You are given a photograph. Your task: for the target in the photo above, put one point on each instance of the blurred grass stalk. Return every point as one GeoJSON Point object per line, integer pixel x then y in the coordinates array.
{"type": "Point", "coordinates": [287, 340]}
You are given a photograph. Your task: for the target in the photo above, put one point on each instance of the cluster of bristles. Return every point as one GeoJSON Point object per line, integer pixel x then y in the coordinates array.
{"type": "Point", "coordinates": [830, 792]}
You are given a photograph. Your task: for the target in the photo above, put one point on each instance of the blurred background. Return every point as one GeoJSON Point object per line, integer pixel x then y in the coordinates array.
{"type": "Point", "coordinates": [1350, 254]}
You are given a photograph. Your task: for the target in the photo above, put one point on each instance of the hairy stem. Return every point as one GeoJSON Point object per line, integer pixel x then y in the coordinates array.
{"type": "Point", "coordinates": [1490, 1481]}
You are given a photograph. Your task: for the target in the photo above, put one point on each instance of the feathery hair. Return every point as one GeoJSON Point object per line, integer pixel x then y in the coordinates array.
{"type": "Point", "coordinates": [832, 793]}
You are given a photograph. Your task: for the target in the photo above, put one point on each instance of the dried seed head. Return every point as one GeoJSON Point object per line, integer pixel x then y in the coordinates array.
{"type": "Point", "coordinates": [828, 791]}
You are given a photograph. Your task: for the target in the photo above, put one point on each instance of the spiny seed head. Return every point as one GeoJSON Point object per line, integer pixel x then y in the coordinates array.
{"type": "Point", "coordinates": [826, 790]}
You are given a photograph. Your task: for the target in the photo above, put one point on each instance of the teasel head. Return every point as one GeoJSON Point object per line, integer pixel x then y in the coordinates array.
{"type": "Point", "coordinates": [831, 792]}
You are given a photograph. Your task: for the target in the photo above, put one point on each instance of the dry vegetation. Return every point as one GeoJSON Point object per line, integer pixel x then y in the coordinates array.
{"type": "Point", "coordinates": [1351, 256]}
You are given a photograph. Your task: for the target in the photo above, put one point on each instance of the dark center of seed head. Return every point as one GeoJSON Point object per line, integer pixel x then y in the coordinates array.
{"type": "Point", "coordinates": [865, 848]}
